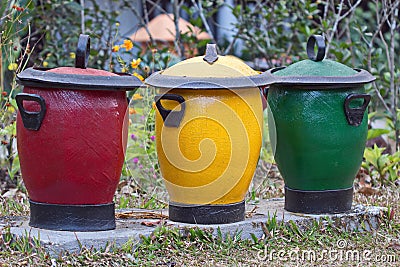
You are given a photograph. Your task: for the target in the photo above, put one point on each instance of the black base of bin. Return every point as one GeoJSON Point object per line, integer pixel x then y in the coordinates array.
{"type": "Point", "coordinates": [318, 202]}
{"type": "Point", "coordinates": [207, 214]}
{"type": "Point", "coordinates": [79, 218]}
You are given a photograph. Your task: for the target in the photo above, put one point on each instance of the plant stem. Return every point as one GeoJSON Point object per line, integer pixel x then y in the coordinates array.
{"type": "Point", "coordinates": [146, 22]}
{"type": "Point", "coordinates": [393, 89]}
{"type": "Point", "coordinates": [82, 16]}
{"type": "Point", "coordinates": [178, 42]}
{"type": "Point", "coordinates": [199, 8]}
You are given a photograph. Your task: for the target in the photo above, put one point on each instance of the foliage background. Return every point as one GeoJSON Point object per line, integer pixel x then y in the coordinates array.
{"type": "Point", "coordinates": [363, 34]}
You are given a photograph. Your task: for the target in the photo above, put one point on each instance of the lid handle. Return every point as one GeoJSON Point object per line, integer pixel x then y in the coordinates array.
{"type": "Point", "coordinates": [82, 51]}
{"type": "Point", "coordinates": [319, 40]}
{"type": "Point", "coordinates": [211, 54]}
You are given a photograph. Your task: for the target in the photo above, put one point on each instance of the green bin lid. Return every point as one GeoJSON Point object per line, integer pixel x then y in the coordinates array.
{"type": "Point", "coordinates": [318, 72]}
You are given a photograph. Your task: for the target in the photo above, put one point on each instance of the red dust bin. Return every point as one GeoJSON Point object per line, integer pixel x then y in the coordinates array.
{"type": "Point", "coordinates": [72, 132]}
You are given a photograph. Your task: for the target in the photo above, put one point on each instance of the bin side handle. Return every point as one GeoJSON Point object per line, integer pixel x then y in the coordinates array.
{"type": "Point", "coordinates": [355, 116]}
{"type": "Point", "coordinates": [32, 120]}
{"type": "Point", "coordinates": [171, 118]}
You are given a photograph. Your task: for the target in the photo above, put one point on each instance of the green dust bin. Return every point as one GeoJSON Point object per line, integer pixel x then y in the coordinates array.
{"type": "Point", "coordinates": [318, 126]}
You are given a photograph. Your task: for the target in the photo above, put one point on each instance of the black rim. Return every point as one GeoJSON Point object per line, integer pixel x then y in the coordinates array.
{"type": "Point", "coordinates": [166, 81]}
{"type": "Point", "coordinates": [207, 214]}
{"type": "Point", "coordinates": [318, 202]}
{"type": "Point", "coordinates": [80, 218]}
{"type": "Point", "coordinates": [43, 79]}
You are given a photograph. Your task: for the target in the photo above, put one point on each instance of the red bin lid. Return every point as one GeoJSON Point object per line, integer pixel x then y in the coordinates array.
{"type": "Point", "coordinates": [79, 77]}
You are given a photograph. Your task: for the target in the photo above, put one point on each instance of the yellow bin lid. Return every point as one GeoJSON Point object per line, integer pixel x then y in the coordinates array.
{"type": "Point", "coordinates": [210, 71]}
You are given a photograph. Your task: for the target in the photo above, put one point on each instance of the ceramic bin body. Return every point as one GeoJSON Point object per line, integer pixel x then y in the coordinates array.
{"type": "Point", "coordinates": [72, 132]}
{"type": "Point", "coordinates": [318, 127]}
{"type": "Point", "coordinates": [208, 134]}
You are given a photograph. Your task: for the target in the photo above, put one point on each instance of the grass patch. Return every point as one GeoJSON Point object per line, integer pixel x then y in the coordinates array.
{"type": "Point", "coordinates": [282, 244]}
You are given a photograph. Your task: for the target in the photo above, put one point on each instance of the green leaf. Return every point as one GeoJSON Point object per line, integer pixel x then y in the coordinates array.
{"type": "Point", "coordinates": [386, 76]}
{"type": "Point", "coordinates": [236, 10]}
{"type": "Point", "coordinates": [373, 133]}
{"type": "Point", "coordinates": [15, 167]}
{"type": "Point", "coordinates": [371, 115]}
{"type": "Point", "coordinates": [372, 155]}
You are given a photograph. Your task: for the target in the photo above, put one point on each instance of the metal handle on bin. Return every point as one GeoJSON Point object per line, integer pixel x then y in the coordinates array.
{"type": "Point", "coordinates": [320, 42]}
{"type": "Point", "coordinates": [32, 119]}
{"type": "Point", "coordinates": [355, 116]}
{"type": "Point", "coordinates": [82, 51]}
{"type": "Point", "coordinates": [171, 118]}
{"type": "Point", "coordinates": [211, 54]}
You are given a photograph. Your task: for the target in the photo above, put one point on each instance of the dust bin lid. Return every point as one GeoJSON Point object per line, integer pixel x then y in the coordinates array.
{"type": "Point", "coordinates": [210, 71]}
{"type": "Point", "coordinates": [317, 71]}
{"type": "Point", "coordinates": [79, 77]}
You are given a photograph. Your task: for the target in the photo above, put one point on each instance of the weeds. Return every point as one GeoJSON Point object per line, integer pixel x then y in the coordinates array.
{"type": "Point", "coordinates": [382, 167]}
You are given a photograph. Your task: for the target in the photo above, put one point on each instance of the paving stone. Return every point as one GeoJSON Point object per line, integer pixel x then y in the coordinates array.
{"type": "Point", "coordinates": [137, 222]}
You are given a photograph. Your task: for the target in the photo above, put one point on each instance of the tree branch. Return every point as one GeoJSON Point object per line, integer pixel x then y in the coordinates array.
{"type": "Point", "coordinates": [199, 8]}
{"type": "Point", "coordinates": [339, 17]}
{"type": "Point", "coordinates": [142, 21]}
{"type": "Point", "coordinates": [178, 41]}
{"type": "Point", "coordinates": [82, 16]}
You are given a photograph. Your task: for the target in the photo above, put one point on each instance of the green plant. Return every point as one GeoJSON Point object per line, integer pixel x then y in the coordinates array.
{"type": "Point", "coordinates": [376, 37]}
{"type": "Point", "coordinates": [58, 33]}
{"type": "Point", "coordinates": [275, 30]}
{"type": "Point", "coordinates": [14, 55]}
{"type": "Point", "coordinates": [141, 163]}
{"type": "Point", "coordinates": [384, 167]}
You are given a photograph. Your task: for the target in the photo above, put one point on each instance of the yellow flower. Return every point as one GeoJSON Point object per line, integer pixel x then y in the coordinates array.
{"type": "Point", "coordinates": [115, 48]}
{"type": "Point", "coordinates": [137, 97]}
{"type": "Point", "coordinates": [128, 45]}
{"type": "Point", "coordinates": [45, 64]}
{"type": "Point", "coordinates": [140, 77]}
{"type": "Point", "coordinates": [132, 111]}
{"type": "Point", "coordinates": [124, 70]}
{"type": "Point", "coordinates": [135, 63]}
{"type": "Point", "coordinates": [13, 66]}
{"type": "Point", "coordinates": [11, 109]}
{"type": "Point", "coordinates": [72, 55]}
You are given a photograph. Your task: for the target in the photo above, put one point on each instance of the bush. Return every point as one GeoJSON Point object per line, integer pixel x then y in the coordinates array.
{"type": "Point", "coordinates": [358, 33]}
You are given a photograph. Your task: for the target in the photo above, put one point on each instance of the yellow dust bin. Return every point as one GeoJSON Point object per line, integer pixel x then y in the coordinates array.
{"type": "Point", "coordinates": [208, 134]}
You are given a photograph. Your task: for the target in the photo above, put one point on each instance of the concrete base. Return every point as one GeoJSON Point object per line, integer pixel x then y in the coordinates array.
{"type": "Point", "coordinates": [133, 223]}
